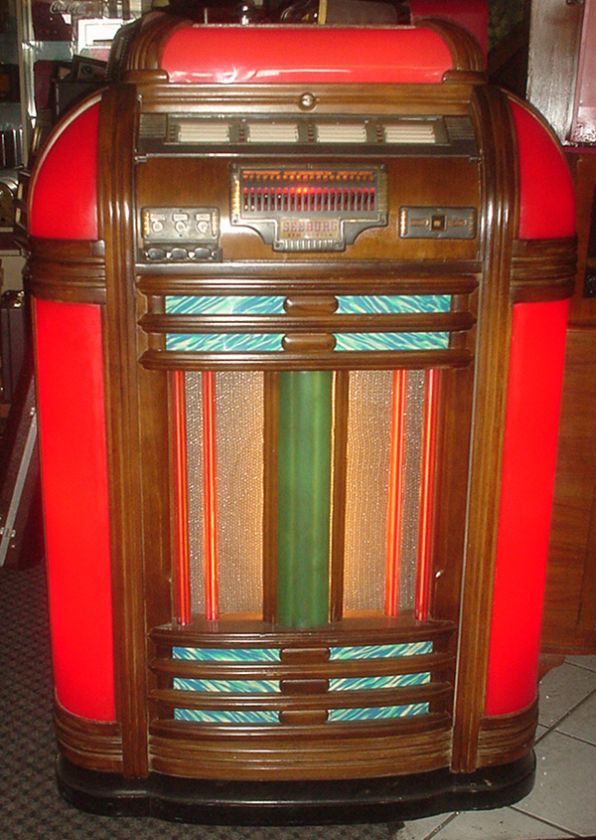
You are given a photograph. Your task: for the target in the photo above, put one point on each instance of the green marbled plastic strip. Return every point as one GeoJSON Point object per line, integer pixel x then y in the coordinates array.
{"type": "Point", "coordinates": [385, 712]}
{"type": "Point", "coordinates": [224, 304]}
{"type": "Point", "coordinates": [392, 304]}
{"type": "Point", "coordinates": [224, 342]}
{"type": "Point", "coordinates": [228, 686]}
{"type": "Point", "coordinates": [372, 683]}
{"type": "Point", "coordinates": [363, 342]}
{"type": "Point", "coordinates": [208, 716]}
{"type": "Point", "coordinates": [381, 651]}
{"type": "Point", "coordinates": [227, 654]}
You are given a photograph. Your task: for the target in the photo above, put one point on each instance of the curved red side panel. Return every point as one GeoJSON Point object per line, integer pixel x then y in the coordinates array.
{"type": "Point", "coordinates": [547, 197]}
{"type": "Point", "coordinates": [63, 195]}
{"type": "Point", "coordinates": [529, 460]}
{"type": "Point", "coordinates": [75, 489]}
{"type": "Point", "coordinates": [269, 55]}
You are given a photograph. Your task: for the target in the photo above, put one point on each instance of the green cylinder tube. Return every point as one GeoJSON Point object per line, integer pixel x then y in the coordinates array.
{"type": "Point", "coordinates": [304, 497]}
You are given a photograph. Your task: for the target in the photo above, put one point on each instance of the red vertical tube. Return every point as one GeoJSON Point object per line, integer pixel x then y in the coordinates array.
{"type": "Point", "coordinates": [427, 484]}
{"type": "Point", "coordinates": [529, 461]}
{"type": "Point", "coordinates": [71, 402]}
{"type": "Point", "coordinates": [183, 606]}
{"type": "Point", "coordinates": [395, 502]}
{"type": "Point", "coordinates": [210, 495]}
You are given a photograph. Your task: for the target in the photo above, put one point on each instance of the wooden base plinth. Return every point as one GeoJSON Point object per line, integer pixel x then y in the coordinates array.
{"type": "Point", "coordinates": [295, 803]}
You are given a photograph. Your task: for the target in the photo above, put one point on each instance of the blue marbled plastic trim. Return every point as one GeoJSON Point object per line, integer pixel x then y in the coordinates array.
{"type": "Point", "coordinates": [391, 341]}
{"type": "Point", "coordinates": [371, 683]}
{"type": "Point", "coordinates": [224, 304]}
{"type": "Point", "coordinates": [227, 654]}
{"type": "Point", "coordinates": [207, 716]}
{"type": "Point", "coordinates": [381, 651]}
{"type": "Point", "coordinates": [224, 342]}
{"type": "Point", "coordinates": [227, 686]}
{"type": "Point", "coordinates": [385, 712]}
{"type": "Point", "coordinates": [392, 304]}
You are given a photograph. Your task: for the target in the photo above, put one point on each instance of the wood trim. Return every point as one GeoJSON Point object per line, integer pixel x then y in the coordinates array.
{"type": "Point", "coordinates": [325, 700]}
{"type": "Point", "coordinates": [115, 200]}
{"type": "Point", "coordinates": [450, 99]}
{"type": "Point", "coordinates": [327, 751]}
{"type": "Point", "coordinates": [271, 278]}
{"type": "Point", "coordinates": [247, 632]}
{"type": "Point", "coordinates": [494, 126]}
{"type": "Point", "coordinates": [88, 743]}
{"type": "Point", "coordinates": [437, 663]}
{"type": "Point", "coordinates": [67, 270]}
{"type": "Point", "coordinates": [423, 322]}
{"type": "Point", "coordinates": [373, 360]}
{"type": "Point", "coordinates": [144, 52]}
{"type": "Point", "coordinates": [543, 269]}
{"type": "Point", "coordinates": [506, 738]}
{"type": "Point", "coordinates": [465, 50]}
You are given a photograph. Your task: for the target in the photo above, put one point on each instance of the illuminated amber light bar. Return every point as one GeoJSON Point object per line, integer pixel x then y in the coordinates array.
{"type": "Point", "coordinates": [182, 566]}
{"type": "Point", "coordinates": [427, 483]}
{"type": "Point", "coordinates": [210, 496]}
{"type": "Point", "coordinates": [395, 501]}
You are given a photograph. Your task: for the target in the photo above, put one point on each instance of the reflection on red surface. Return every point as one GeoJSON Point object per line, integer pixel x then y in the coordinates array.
{"type": "Point", "coordinates": [274, 55]}
{"type": "Point", "coordinates": [70, 393]}
{"type": "Point", "coordinates": [546, 194]}
{"type": "Point", "coordinates": [63, 195]}
{"type": "Point", "coordinates": [529, 459]}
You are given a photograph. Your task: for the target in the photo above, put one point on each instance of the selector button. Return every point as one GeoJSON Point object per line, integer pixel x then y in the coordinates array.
{"type": "Point", "coordinates": [155, 254]}
{"type": "Point", "coordinates": [202, 254]}
{"type": "Point", "coordinates": [179, 254]}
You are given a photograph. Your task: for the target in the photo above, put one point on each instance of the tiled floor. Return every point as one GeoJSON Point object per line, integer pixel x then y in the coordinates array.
{"type": "Point", "coordinates": [563, 802]}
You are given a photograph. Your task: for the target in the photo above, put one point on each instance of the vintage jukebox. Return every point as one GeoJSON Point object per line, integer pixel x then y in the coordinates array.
{"type": "Point", "coordinates": [299, 301]}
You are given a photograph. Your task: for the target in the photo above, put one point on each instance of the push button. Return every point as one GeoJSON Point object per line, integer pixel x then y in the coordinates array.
{"type": "Point", "coordinates": [155, 254]}
{"type": "Point", "coordinates": [437, 222]}
{"type": "Point", "coordinates": [178, 254]}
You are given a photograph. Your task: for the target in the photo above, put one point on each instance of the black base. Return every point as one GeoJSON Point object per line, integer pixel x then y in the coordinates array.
{"type": "Point", "coordinates": [295, 803]}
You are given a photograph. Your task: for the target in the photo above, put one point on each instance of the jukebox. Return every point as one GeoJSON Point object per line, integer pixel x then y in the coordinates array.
{"type": "Point", "coordinates": [299, 306]}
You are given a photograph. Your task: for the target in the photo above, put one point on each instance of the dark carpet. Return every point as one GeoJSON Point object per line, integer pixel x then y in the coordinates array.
{"type": "Point", "coordinates": [30, 806]}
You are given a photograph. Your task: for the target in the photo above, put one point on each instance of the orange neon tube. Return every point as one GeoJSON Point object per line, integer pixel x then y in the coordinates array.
{"type": "Point", "coordinates": [427, 483]}
{"type": "Point", "coordinates": [182, 576]}
{"type": "Point", "coordinates": [210, 495]}
{"type": "Point", "coordinates": [395, 501]}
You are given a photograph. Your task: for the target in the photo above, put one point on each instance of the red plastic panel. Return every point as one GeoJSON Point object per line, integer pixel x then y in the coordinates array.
{"type": "Point", "coordinates": [547, 198]}
{"type": "Point", "coordinates": [469, 14]}
{"type": "Point", "coordinates": [529, 459]}
{"type": "Point", "coordinates": [269, 55]}
{"type": "Point", "coordinates": [75, 490]}
{"type": "Point", "coordinates": [63, 196]}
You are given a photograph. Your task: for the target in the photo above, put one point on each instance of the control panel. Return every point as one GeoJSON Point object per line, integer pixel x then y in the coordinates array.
{"type": "Point", "coordinates": [180, 234]}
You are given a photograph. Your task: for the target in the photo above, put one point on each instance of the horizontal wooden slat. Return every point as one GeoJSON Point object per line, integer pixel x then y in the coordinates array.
{"type": "Point", "coordinates": [335, 669]}
{"type": "Point", "coordinates": [228, 701]}
{"type": "Point", "coordinates": [377, 323]}
{"type": "Point", "coordinates": [333, 360]}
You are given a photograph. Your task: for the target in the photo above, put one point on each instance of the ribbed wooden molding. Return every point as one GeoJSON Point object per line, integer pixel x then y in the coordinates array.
{"type": "Point", "coordinates": [543, 269]}
{"type": "Point", "coordinates": [327, 751]}
{"type": "Point", "coordinates": [507, 737]}
{"type": "Point", "coordinates": [67, 270]}
{"type": "Point", "coordinates": [88, 743]}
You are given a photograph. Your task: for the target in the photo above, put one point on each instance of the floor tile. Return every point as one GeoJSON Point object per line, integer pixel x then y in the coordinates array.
{"type": "Point", "coordinates": [581, 723]}
{"type": "Point", "coordinates": [588, 662]}
{"type": "Point", "coordinates": [540, 732]}
{"type": "Point", "coordinates": [564, 792]}
{"type": "Point", "coordinates": [501, 824]}
{"type": "Point", "coordinates": [421, 829]}
{"type": "Point", "coordinates": [562, 689]}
